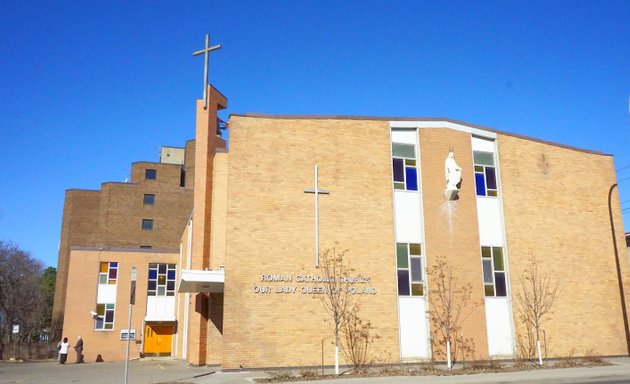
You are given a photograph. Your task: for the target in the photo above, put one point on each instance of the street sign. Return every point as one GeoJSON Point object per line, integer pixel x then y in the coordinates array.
{"type": "Point", "coordinates": [16, 328]}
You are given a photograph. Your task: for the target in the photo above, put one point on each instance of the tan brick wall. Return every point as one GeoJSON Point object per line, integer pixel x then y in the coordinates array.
{"type": "Point", "coordinates": [82, 294]}
{"type": "Point", "coordinates": [270, 229]}
{"type": "Point", "coordinates": [80, 211]}
{"type": "Point", "coordinates": [556, 209]}
{"type": "Point", "coordinates": [112, 217]}
{"type": "Point", "coordinates": [206, 144]}
{"type": "Point", "coordinates": [451, 229]}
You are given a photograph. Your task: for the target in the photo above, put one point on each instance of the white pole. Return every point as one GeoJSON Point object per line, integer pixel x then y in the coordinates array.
{"type": "Point", "coordinates": [336, 359]}
{"type": "Point", "coordinates": [132, 300]}
{"type": "Point", "coordinates": [540, 361]}
{"type": "Point", "coordinates": [448, 354]}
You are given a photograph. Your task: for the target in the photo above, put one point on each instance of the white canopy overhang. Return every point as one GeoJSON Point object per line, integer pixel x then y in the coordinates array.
{"type": "Point", "coordinates": [201, 281]}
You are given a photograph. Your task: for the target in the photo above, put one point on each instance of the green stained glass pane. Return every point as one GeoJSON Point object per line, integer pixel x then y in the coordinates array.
{"type": "Point", "coordinates": [152, 265]}
{"type": "Point", "coordinates": [478, 168]}
{"type": "Point", "coordinates": [415, 249]}
{"type": "Point", "coordinates": [109, 326]}
{"type": "Point", "coordinates": [161, 291]}
{"type": "Point", "coordinates": [485, 252]}
{"type": "Point", "coordinates": [492, 193]}
{"type": "Point", "coordinates": [417, 289]}
{"type": "Point", "coordinates": [399, 185]}
{"type": "Point", "coordinates": [171, 266]}
{"type": "Point", "coordinates": [401, 255]}
{"type": "Point", "coordinates": [497, 255]}
{"type": "Point", "coordinates": [110, 306]}
{"type": "Point", "coordinates": [404, 150]}
{"type": "Point", "coordinates": [100, 309]}
{"type": "Point", "coordinates": [411, 163]}
{"type": "Point", "coordinates": [102, 279]}
{"type": "Point", "coordinates": [483, 158]}
{"type": "Point", "coordinates": [489, 290]}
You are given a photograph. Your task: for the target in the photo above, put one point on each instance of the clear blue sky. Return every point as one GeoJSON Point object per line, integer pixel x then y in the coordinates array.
{"type": "Point", "coordinates": [88, 87]}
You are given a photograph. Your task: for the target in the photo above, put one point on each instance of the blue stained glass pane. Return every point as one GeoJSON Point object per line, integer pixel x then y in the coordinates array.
{"type": "Point", "coordinates": [491, 178]}
{"type": "Point", "coordinates": [499, 282]}
{"type": "Point", "coordinates": [403, 283]}
{"type": "Point", "coordinates": [171, 274]}
{"type": "Point", "coordinates": [412, 179]}
{"type": "Point", "coordinates": [399, 173]}
{"type": "Point", "coordinates": [99, 323]}
{"type": "Point", "coordinates": [113, 264]}
{"type": "Point", "coordinates": [480, 184]}
{"type": "Point", "coordinates": [153, 274]}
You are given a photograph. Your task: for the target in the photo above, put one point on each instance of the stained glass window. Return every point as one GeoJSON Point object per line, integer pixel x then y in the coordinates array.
{"type": "Point", "coordinates": [108, 272]}
{"type": "Point", "coordinates": [161, 279]}
{"type": "Point", "coordinates": [409, 263]}
{"type": "Point", "coordinates": [485, 174]}
{"type": "Point", "coordinates": [493, 265]}
{"type": "Point", "coordinates": [404, 166]}
{"type": "Point", "coordinates": [104, 319]}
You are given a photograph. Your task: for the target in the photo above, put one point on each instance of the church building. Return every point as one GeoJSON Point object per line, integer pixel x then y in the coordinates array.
{"type": "Point", "coordinates": [400, 198]}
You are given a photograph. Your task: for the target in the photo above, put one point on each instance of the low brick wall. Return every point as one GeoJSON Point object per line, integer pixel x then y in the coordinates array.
{"type": "Point", "coordinates": [28, 351]}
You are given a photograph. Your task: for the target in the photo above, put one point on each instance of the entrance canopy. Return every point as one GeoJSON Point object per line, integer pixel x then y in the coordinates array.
{"type": "Point", "coordinates": [201, 281]}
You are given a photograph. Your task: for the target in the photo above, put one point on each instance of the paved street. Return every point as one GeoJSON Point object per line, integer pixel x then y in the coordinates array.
{"type": "Point", "coordinates": [155, 371]}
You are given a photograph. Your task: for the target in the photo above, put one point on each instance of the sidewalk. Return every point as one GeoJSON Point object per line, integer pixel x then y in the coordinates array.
{"type": "Point", "coordinates": [169, 370]}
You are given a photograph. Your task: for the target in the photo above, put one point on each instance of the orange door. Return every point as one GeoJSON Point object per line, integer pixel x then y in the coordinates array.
{"type": "Point", "coordinates": [158, 339]}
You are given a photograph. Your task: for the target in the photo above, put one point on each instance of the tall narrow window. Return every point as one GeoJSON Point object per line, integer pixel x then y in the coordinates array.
{"type": "Point", "coordinates": [485, 174]}
{"type": "Point", "coordinates": [150, 174]}
{"type": "Point", "coordinates": [493, 264]}
{"type": "Point", "coordinates": [182, 178]}
{"type": "Point", "coordinates": [161, 279]}
{"type": "Point", "coordinates": [409, 266]}
{"type": "Point", "coordinates": [404, 166]}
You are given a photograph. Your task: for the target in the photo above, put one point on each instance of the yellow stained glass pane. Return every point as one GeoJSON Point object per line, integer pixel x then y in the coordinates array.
{"type": "Point", "coordinates": [100, 309]}
{"type": "Point", "coordinates": [415, 249]}
{"type": "Point", "coordinates": [417, 289]}
{"type": "Point", "coordinates": [492, 193]}
{"type": "Point", "coordinates": [489, 290]}
{"type": "Point", "coordinates": [410, 162]}
{"type": "Point", "coordinates": [478, 168]}
{"type": "Point", "coordinates": [112, 281]}
{"type": "Point", "coordinates": [104, 267]}
{"type": "Point", "coordinates": [162, 279]}
{"type": "Point", "coordinates": [485, 252]}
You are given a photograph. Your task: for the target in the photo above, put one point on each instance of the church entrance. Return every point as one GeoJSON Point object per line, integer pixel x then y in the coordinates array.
{"type": "Point", "coordinates": [158, 339]}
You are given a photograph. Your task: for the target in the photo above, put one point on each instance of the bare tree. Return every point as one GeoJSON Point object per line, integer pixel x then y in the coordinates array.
{"type": "Point", "coordinates": [448, 303]}
{"type": "Point", "coordinates": [535, 297]}
{"type": "Point", "coordinates": [338, 301]}
{"type": "Point", "coordinates": [20, 299]}
{"type": "Point", "coordinates": [357, 340]}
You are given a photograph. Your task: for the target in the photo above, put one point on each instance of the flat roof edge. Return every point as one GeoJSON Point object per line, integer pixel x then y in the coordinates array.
{"type": "Point", "coordinates": [116, 249]}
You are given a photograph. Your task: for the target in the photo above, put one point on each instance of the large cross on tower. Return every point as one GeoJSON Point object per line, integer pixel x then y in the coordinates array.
{"type": "Point", "coordinates": [317, 192]}
{"type": "Point", "coordinates": [206, 52]}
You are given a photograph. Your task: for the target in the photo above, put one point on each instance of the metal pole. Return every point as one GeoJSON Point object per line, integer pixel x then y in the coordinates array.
{"type": "Point", "coordinates": [132, 300]}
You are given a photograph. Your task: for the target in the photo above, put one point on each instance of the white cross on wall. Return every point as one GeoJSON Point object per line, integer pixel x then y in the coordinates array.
{"type": "Point", "coordinates": [316, 191]}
